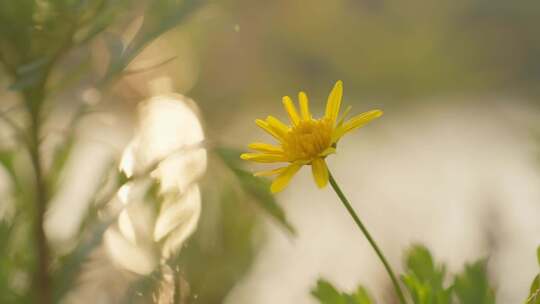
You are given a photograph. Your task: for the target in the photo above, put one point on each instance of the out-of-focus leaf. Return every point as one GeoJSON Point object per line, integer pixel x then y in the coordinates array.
{"type": "Point", "coordinates": [90, 233]}
{"type": "Point", "coordinates": [26, 81]}
{"type": "Point", "coordinates": [472, 286]}
{"type": "Point", "coordinates": [70, 265]}
{"type": "Point", "coordinates": [7, 159]}
{"type": "Point", "coordinates": [424, 279]}
{"type": "Point", "coordinates": [160, 16]}
{"type": "Point", "coordinates": [255, 186]}
{"type": "Point", "coordinates": [30, 74]}
{"type": "Point", "coordinates": [419, 261]}
{"type": "Point", "coordinates": [6, 294]}
{"type": "Point", "coordinates": [222, 249]}
{"type": "Point", "coordinates": [95, 16]}
{"type": "Point", "coordinates": [534, 293]}
{"type": "Point", "coordinates": [115, 46]}
{"type": "Point", "coordinates": [326, 293]}
{"type": "Point", "coordinates": [15, 28]}
{"type": "Point", "coordinates": [258, 188]}
{"type": "Point", "coordinates": [538, 255]}
{"type": "Point", "coordinates": [361, 296]}
{"type": "Point", "coordinates": [60, 157]}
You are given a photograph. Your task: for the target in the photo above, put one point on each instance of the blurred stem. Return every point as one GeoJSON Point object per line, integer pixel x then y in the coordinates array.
{"type": "Point", "coordinates": [368, 236]}
{"type": "Point", "coordinates": [42, 281]}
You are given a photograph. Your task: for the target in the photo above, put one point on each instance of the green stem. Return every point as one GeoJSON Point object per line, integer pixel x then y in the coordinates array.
{"type": "Point", "coordinates": [368, 237]}
{"type": "Point", "coordinates": [42, 280]}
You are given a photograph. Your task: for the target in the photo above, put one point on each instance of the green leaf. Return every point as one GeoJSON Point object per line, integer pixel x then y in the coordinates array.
{"type": "Point", "coordinates": [257, 187]}
{"type": "Point", "coordinates": [420, 263]}
{"type": "Point", "coordinates": [534, 294]}
{"type": "Point", "coordinates": [7, 160]}
{"type": "Point", "coordinates": [472, 286]}
{"type": "Point", "coordinates": [160, 16]}
{"type": "Point", "coordinates": [538, 255]}
{"type": "Point", "coordinates": [361, 296]}
{"type": "Point", "coordinates": [223, 247]}
{"type": "Point", "coordinates": [60, 157]}
{"type": "Point", "coordinates": [326, 293]}
{"type": "Point", "coordinates": [423, 279]}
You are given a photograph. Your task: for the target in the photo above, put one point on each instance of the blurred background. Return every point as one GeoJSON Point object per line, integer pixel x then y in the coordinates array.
{"type": "Point", "coordinates": [452, 164]}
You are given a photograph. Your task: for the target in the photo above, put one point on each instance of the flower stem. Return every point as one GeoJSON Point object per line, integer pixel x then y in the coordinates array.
{"type": "Point", "coordinates": [368, 237]}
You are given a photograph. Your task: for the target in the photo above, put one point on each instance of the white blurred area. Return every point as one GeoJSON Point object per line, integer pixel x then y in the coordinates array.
{"type": "Point", "coordinates": [168, 146]}
{"type": "Point", "coordinates": [459, 176]}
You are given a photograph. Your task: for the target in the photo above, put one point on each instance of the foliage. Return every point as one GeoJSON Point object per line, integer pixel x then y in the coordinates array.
{"type": "Point", "coordinates": [326, 293]}
{"type": "Point", "coordinates": [222, 248]}
{"type": "Point", "coordinates": [424, 279]}
{"type": "Point", "coordinates": [427, 283]}
{"type": "Point", "coordinates": [257, 187]}
{"type": "Point", "coordinates": [534, 293]}
{"type": "Point", "coordinates": [472, 286]}
{"type": "Point", "coordinates": [36, 38]}
{"type": "Point", "coordinates": [44, 47]}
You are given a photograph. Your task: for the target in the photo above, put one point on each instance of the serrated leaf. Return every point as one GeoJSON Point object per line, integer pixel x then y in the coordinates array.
{"type": "Point", "coordinates": [255, 186]}
{"type": "Point", "coordinates": [361, 296]}
{"type": "Point", "coordinates": [326, 293]}
{"type": "Point", "coordinates": [420, 262]}
{"type": "Point", "coordinates": [472, 286]}
{"type": "Point", "coordinates": [424, 279]}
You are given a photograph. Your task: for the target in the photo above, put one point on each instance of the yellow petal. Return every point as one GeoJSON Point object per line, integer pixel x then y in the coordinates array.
{"type": "Point", "coordinates": [304, 106]}
{"type": "Point", "coordinates": [263, 147]}
{"type": "Point", "coordinates": [264, 157]}
{"type": "Point", "coordinates": [291, 110]}
{"type": "Point", "coordinates": [270, 172]}
{"type": "Point", "coordinates": [355, 123]}
{"type": "Point", "coordinates": [266, 127]}
{"type": "Point", "coordinates": [276, 124]}
{"type": "Point", "coordinates": [343, 116]}
{"type": "Point", "coordinates": [320, 172]}
{"type": "Point", "coordinates": [284, 178]}
{"type": "Point", "coordinates": [334, 102]}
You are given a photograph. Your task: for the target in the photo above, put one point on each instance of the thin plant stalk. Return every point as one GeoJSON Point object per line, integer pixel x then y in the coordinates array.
{"type": "Point", "coordinates": [368, 236]}
{"type": "Point", "coordinates": [42, 281]}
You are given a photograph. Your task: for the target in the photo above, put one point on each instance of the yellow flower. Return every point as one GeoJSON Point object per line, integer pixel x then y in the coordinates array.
{"type": "Point", "coordinates": [308, 141]}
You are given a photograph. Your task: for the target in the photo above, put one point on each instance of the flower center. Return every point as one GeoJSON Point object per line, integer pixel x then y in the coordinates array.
{"type": "Point", "coordinates": [308, 139]}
